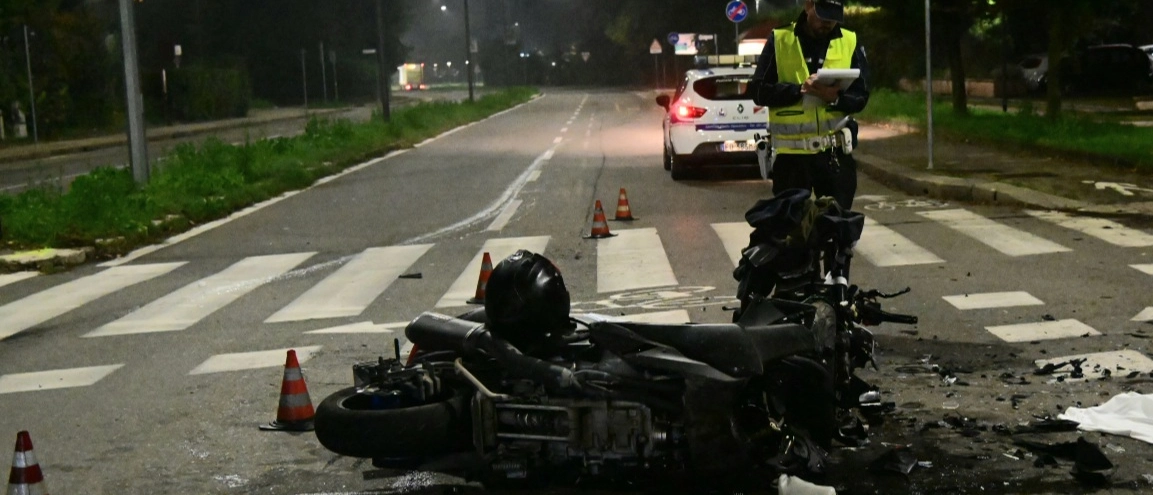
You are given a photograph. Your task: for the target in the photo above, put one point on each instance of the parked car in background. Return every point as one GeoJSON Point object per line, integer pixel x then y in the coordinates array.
{"type": "Point", "coordinates": [1107, 68]}
{"type": "Point", "coordinates": [1034, 69]}
{"type": "Point", "coordinates": [711, 120]}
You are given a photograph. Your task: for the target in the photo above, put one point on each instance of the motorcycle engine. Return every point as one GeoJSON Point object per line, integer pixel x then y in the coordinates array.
{"type": "Point", "coordinates": [595, 436]}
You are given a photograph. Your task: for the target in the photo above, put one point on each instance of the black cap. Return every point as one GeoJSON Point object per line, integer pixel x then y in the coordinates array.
{"type": "Point", "coordinates": [830, 10]}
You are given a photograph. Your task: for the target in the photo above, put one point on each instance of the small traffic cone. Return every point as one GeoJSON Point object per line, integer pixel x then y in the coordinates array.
{"type": "Point", "coordinates": [295, 412]}
{"type": "Point", "coordinates": [482, 282]}
{"type": "Point", "coordinates": [600, 226]}
{"type": "Point", "coordinates": [623, 211]}
{"type": "Point", "coordinates": [26, 477]}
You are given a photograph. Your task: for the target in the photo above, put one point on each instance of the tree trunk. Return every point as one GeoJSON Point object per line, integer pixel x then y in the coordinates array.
{"type": "Point", "coordinates": [1057, 44]}
{"type": "Point", "coordinates": [957, 69]}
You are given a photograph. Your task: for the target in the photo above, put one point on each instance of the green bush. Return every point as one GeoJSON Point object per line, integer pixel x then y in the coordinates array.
{"type": "Point", "coordinates": [201, 93]}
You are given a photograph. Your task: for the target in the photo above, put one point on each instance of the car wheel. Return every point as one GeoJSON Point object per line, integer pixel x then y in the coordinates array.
{"type": "Point", "coordinates": [679, 168]}
{"type": "Point", "coordinates": [347, 424]}
{"type": "Point", "coordinates": [668, 160]}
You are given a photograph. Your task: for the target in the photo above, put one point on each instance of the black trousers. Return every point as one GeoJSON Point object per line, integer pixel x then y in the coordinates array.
{"type": "Point", "coordinates": [818, 174]}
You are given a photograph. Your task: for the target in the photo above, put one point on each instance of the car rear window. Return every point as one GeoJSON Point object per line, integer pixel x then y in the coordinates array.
{"type": "Point", "coordinates": [723, 87]}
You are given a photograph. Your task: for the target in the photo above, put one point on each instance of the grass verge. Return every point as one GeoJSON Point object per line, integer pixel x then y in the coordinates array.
{"type": "Point", "coordinates": [1108, 141]}
{"type": "Point", "coordinates": [196, 184]}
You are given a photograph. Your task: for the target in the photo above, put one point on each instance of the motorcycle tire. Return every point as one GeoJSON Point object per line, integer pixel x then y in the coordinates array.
{"type": "Point", "coordinates": [346, 426]}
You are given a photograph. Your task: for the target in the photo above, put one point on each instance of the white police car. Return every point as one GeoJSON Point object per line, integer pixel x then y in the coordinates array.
{"type": "Point", "coordinates": [711, 120]}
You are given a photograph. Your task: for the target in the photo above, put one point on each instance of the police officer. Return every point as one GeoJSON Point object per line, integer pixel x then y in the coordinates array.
{"type": "Point", "coordinates": [811, 150]}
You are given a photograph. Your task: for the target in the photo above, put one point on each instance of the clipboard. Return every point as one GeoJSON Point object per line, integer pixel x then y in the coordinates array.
{"type": "Point", "coordinates": [842, 78]}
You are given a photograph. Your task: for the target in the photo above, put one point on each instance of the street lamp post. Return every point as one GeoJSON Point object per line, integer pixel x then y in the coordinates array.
{"type": "Point", "coordinates": [381, 74]}
{"type": "Point", "coordinates": [137, 143]}
{"type": "Point", "coordinates": [31, 92]}
{"type": "Point", "coordinates": [468, 51]}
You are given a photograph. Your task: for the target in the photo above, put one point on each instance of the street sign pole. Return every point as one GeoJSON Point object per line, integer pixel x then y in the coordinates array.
{"type": "Point", "coordinates": [31, 93]}
{"type": "Point", "coordinates": [382, 76]}
{"type": "Point", "coordinates": [468, 51]}
{"type": "Point", "coordinates": [929, 81]}
{"type": "Point", "coordinates": [736, 11]}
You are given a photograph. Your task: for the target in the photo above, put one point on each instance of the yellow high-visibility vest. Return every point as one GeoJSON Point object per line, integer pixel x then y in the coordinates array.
{"type": "Point", "coordinates": [790, 127]}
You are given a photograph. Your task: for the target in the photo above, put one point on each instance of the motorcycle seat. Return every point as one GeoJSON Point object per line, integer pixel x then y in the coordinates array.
{"type": "Point", "coordinates": [734, 350]}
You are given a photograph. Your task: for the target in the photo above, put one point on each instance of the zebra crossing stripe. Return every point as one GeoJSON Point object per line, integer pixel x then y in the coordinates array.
{"type": "Point", "coordinates": [884, 247]}
{"type": "Point", "coordinates": [361, 327]}
{"type": "Point", "coordinates": [464, 288]}
{"type": "Point", "coordinates": [992, 300]}
{"type": "Point", "coordinates": [673, 317]}
{"type": "Point", "coordinates": [1001, 237]}
{"type": "Point", "coordinates": [1146, 269]}
{"type": "Point", "coordinates": [11, 278]}
{"type": "Point", "coordinates": [53, 379]}
{"type": "Point", "coordinates": [735, 237]}
{"type": "Point", "coordinates": [634, 259]}
{"type": "Point", "coordinates": [251, 360]}
{"type": "Point", "coordinates": [352, 288]}
{"type": "Point", "coordinates": [38, 308]}
{"type": "Point", "coordinates": [1045, 330]}
{"type": "Point", "coordinates": [1106, 230]}
{"type": "Point", "coordinates": [188, 305]}
{"type": "Point", "coordinates": [1146, 315]}
{"type": "Point", "coordinates": [1119, 362]}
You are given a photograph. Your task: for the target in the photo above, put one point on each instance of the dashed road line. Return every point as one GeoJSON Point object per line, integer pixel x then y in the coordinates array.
{"type": "Point", "coordinates": [993, 300]}
{"type": "Point", "coordinates": [1045, 330]}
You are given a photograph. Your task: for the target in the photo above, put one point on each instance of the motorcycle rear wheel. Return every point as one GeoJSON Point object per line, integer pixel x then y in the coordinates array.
{"type": "Point", "coordinates": [346, 425]}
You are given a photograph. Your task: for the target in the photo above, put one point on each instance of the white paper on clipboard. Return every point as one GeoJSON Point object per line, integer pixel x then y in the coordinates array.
{"type": "Point", "coordinates": [841, 78]}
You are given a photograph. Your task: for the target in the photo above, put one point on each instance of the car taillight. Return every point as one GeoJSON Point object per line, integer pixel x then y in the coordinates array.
{"type": "Point", "coordinates": [408, 87]}
{"type": "Point", "coordinates": [685, 113]}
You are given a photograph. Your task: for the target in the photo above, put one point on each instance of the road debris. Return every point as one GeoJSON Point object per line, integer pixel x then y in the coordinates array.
{"type": "Point", "coordinates": [899, 460]}
{"type": "Point", "coordinates": [792, 485]}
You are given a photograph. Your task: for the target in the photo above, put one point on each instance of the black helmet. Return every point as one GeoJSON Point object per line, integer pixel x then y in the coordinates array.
{"type": "Point", "coordinates": [526, 300]}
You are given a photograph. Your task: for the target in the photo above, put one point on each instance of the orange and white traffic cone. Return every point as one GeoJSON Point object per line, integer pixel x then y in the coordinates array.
{"type": "Point", "coordinates": [600, 226]}
{"type": "Point", "coordinates": [26, 477]}
{"type": "Point", "coordinates": [482, 282]}
{"type": "Point", "coordinates": [624, 213]}
{"type": "Point", "coordinates": [295, 412]}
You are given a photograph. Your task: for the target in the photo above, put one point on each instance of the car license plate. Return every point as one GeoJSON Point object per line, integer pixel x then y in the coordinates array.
{"type": "Point", "coordinates": [728, 146]}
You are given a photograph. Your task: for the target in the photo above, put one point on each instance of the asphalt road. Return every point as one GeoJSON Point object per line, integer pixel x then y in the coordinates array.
{"type": "Point", "coordinates": [159, 398]}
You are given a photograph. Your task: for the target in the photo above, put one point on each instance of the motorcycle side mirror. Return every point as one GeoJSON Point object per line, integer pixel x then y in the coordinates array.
{"type": "Point", "coordinates": [664, 100]}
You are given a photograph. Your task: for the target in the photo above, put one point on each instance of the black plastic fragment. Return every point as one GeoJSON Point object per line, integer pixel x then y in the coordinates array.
{"type": "Point", "coordinates": [898, 460]}
{"type": "Point", "coordinates": [412, 275]}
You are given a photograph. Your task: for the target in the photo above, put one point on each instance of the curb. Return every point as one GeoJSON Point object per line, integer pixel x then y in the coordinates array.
{"type": "Point", "coordinates": [45, 260]}
{"type": "Point", "coordinates": [32, 152]}
{"type": "Point", "coordinates": [957, 189]}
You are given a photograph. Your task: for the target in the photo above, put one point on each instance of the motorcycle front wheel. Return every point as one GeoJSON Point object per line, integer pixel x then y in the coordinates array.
{"type": "Point", "coordinates": [348, 424]}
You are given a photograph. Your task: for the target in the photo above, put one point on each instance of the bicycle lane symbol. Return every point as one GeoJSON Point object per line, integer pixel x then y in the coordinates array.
{"type": "Point", "coordinates": [908, 203]}
{"type": "Point", "coordinates": [663, 298]}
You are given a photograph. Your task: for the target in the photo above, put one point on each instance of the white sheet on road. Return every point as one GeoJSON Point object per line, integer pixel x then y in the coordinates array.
{"type": "Point", "coordinates": [1129, 414]}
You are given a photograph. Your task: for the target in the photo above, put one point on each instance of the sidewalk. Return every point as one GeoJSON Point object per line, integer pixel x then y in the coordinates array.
{"type": "Point", "coordinates": [1019, 177]}
{"type": "Point", "coordinates": [255, 117]}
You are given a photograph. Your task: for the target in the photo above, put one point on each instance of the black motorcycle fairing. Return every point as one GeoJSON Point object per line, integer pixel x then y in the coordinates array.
{"type": "Point", "coordinates": [668, 360]}
{"type": "Point", "coordinates": [734, 350]}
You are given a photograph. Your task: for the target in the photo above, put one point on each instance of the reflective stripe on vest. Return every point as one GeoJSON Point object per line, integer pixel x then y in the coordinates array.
{"type": "Point", "coordinates": [796, 124]}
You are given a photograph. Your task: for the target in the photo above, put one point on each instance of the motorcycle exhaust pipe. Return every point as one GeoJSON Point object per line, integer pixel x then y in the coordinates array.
{"type": "Point", "coordinates": [437, 332]}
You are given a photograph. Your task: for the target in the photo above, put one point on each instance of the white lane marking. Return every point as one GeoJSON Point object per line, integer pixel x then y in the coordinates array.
{"type": "Point", "coordinates": [38, 308]}
{"type": "Point", "coordinates": [361, 327]}
{"type": "Point", "coordinates": [883, 246]}
{"type": "Point", "coordinates": [1106, 230]}
{"type": "Point", "coordinates": [252, 360]}
{"type": "Point", "coordinates": [634, 259]}
{"type": "Point", "coordinates": [564, 130]}
{"type": "Point", "coordinates": [1118, 363]}
{"type": "Point", "coordinates": [1001, 237]}
{"type": "Point", "coordinates": [62, 378]}
{"type": "Point", "coordinates": [195, 301]}
{"type": "Point", "coordinates": [1145, 315]}
{"type": "Point", "coordinates": [11, 278]}
{"type": "Point", "coordinates": [491, 210]}
{"type": "Point", "coordinates": [735, 237]}
{"type": "Point", "coordinates": [1045, 330]}
{"type": "Point", "coordinates": [264, 204]}
{"type": "Point", "coordinates": [501, 220]}
{"type": "Point", "coordinates": [1146, 269]}
{"type": "Point", "coordinates": [557, 140]}
{"type": "Point", "coordinates": [993, 300]}
{"type": "Point", "coordinates": [871, 198]}
{"type": "Point", "coordinates": [669, 317]}
{"type": "Point", "coordinates": [353, 287]}
{"type": "Point", "coordinates": [533, 176]}
{"type": "Point", "coordinates": [498, 249]}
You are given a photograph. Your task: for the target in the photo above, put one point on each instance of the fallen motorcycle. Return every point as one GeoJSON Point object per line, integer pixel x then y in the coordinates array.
{"type": "Point", "coordinates": [522, 390]}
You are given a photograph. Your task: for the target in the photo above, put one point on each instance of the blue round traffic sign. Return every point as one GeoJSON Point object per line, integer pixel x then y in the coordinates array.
{"type": "Point", "coordinates": [674, 38]}
{"type": "Point", "coordinates": [736, 11]}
